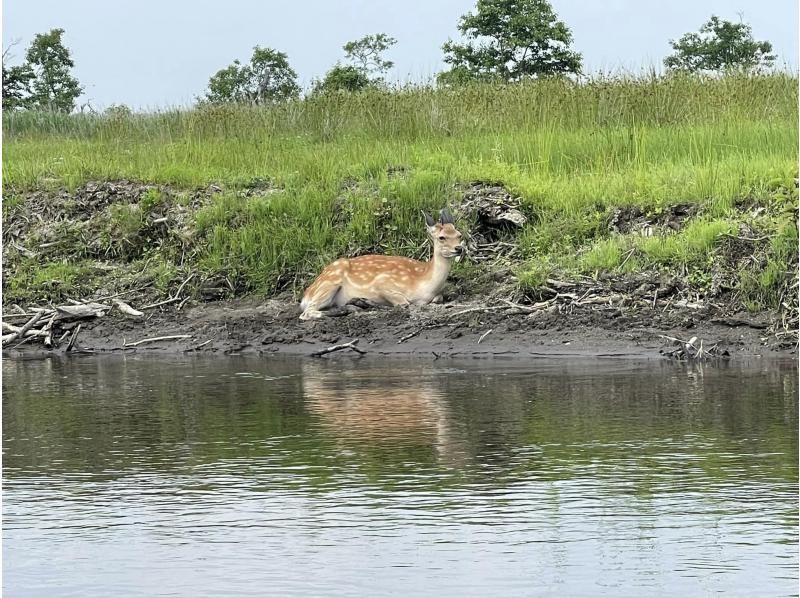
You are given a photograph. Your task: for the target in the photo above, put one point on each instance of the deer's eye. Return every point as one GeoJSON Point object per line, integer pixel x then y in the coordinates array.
{"type": "Point", "coordinates": [442, 238]}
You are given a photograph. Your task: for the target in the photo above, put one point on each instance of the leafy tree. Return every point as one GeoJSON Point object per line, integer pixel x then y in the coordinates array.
{"type": "Point", "coordinates": [510, 40]}
{"type": "Point", "coordinates": [52, 86]}
{"type": "Point", "coordinates": [268, 78]}
{"type": "Point", "coordinates": [719, 46]}
{"type": "Point", "coordinates": [366, 53]}
{"type": "Point", "coordinates": [16, 83]}
{"type": "Point", "coordinates": [343, 78]}
{"type": "Point", "coordinates": [367, 65]}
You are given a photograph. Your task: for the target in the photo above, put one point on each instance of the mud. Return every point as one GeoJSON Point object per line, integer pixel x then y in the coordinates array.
{"type": "Point", "coordinates": [434, 331]}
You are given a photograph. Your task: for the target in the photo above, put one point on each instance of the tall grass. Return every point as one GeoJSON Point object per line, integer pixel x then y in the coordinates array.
{"type": "Point", "coordinates": [572, 151]}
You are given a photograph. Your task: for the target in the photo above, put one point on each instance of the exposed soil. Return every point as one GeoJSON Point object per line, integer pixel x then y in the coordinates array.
{"type": "Point", "coordinates": [437, 331]}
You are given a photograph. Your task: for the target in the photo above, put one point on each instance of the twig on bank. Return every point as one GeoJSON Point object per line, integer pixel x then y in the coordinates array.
{"type": "Point", "coordinates": [128, 292]}
{"type": "Point", "coordinates": [531, 308]}
{"type": "Point", "coordinates": [174, 337]}
{"type": "Point", "coordinates": [474, 309]}
{"type": "Point", "coordinates": [165, 302]}
{"type": "Point", "coordinates": [409, 335]}
{"type": "Point", "coordinates": [484, 335]}
{"type": "Point", "coordinates": [183, 284]}
{"type": "Point", "coordinates": [198, 347]}
{"type": "Point", "coordinates": [351, 345]}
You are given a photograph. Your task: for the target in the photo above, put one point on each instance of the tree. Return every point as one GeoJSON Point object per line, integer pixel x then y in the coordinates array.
{"type": "Point", "coordinates": [719, 46]}
{"type": "Point", "coordinates": [367, 65]}
{"type": "Point", "coordinates": [343, 78]}
{"type": "Point", "coordinates": [52, 86]}
{"type": "Point", "coordinates": [366, 54]}
{"type": "Point", "coordinates": [16, 82]}
{"type": "Point", "coordinates": [268, 78]}
{"type": "Point", "coordinates": [510, 40]}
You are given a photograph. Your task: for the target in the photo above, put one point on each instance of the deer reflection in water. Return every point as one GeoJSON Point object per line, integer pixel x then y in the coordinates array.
{"type": "Point", "coordinates": [386, 410]}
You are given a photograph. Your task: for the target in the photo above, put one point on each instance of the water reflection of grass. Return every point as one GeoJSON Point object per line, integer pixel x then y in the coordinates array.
{"type": "Point", "coordinates": [322, 429]}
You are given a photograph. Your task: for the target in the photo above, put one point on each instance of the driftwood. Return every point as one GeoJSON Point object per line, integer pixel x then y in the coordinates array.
{"type": "Point", "coordinates": [81, 311]}
{"type": "Point", "coordinates": [73, 338]}
{"type": "Point", "coordinates": [127, 309]}
{"type": "Point", "coordinates": [25, 328]}
{"type": "Point", "coordinates": [351, 345]}
{"type": "Point", "coordinates": [48, 339]}
{"type": "Point", "coordinates": [691, 351]}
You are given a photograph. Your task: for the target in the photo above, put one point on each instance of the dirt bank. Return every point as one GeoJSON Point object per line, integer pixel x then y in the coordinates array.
{"type": "Point", "coordinates": [436, 331]}
{"type": "Point", "coordinates": [112, 241]}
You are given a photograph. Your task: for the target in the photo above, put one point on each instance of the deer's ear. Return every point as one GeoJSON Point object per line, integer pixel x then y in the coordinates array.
{"type": "Point", "coordinates": [445, 217]}
{"type": "Point", "coordinates": [428, 220]}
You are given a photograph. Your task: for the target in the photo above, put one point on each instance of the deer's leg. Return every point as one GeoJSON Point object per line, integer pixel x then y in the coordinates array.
{"type": "Point", "coordinates": [394, 298]}
{"type": "Point", "coordinates": [323, 297]}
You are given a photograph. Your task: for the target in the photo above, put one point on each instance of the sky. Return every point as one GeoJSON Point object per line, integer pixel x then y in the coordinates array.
{"type": "Point", "coordinates": [152, 54]}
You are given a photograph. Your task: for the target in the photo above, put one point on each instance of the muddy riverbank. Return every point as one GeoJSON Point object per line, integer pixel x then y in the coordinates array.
{"type": "Point", "coordinates": [251, 326]}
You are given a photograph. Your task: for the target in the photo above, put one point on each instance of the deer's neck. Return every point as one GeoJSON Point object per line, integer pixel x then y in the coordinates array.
{"type": "Point", "coordinates": [438, 270]}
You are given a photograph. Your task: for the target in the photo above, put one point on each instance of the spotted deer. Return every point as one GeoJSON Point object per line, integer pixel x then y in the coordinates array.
{"type": "Point", "coordinates": [385, 279]}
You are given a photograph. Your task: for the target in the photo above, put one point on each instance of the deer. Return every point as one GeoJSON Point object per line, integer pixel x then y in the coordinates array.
{"type": "Point", "coordinates": [385, 279]}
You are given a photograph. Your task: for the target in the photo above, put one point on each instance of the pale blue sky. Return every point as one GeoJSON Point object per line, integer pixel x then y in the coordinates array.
{"type": "Point", "coordinates": [158, 53]}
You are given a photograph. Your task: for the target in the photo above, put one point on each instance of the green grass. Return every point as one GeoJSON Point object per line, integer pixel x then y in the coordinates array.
{"type": "Point", "coordinates": [572, 152]}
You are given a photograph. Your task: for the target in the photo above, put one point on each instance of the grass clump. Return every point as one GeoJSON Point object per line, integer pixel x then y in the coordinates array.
{"type": "Point", "coordinates": [56, 280]}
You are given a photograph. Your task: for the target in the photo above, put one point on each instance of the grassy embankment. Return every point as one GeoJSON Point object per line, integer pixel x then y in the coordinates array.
{"type": "Point", "coordinates": [573, 153]}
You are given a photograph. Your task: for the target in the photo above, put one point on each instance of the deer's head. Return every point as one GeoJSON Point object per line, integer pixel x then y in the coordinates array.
{"type": "Point", "coordinates": [446, 239]}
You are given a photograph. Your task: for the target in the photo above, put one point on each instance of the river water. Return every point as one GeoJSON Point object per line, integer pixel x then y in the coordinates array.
{"type": "Point", "coordinates": [134, 476]}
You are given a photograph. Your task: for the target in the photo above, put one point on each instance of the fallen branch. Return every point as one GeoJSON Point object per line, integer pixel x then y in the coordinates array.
{"type": "Point", "coordinates": [48, 329]}
{"type": "Point", "coordinates": [81, 311]}
{"type": "Point", "coordinates": [690, 351]}
{"type": "Point", "coordinates": [73, 338]}
{"type": "Point", "coordinates": [25, 328]}
{"type": "Point", "coordinates": [351, 345]}
{"type": "Point", "coordinates": [7, 338]}
{"type": "Point", "coordinates": [156, 339]}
